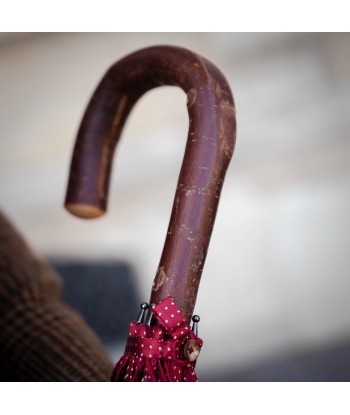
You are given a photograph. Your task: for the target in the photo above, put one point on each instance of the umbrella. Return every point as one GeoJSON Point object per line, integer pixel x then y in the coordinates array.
{"type": "Point", "coordinates": [164, 352]}
{"type": "Point", "coordinates": [209, 148]}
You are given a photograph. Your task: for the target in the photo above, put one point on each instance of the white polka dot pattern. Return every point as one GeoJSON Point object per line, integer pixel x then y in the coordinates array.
{"type": "Point", "coordinates": [157, 354]}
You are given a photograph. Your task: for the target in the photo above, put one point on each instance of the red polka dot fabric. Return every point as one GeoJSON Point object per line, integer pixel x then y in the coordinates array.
{"type": "Point", "coordinates": [157, 353]}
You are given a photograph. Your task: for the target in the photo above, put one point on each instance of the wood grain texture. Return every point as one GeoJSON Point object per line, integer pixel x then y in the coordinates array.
{"type": "Point", "coordinates": [209, 148]}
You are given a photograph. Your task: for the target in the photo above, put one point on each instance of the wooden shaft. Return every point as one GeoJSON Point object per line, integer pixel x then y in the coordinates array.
{"type": "Point", "coordinates": [209, 147]}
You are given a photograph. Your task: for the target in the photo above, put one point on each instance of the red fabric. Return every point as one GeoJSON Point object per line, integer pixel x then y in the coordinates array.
{"type": "Point", "coordinates": [155, 354]}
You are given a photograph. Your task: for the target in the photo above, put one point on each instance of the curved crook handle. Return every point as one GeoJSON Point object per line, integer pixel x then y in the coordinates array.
{"type": "Point", "coordinates": [210, 145]}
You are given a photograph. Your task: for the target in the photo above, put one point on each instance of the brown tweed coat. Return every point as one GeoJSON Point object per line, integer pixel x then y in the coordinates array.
{"type": "Point", "coordinates": [41, 338]}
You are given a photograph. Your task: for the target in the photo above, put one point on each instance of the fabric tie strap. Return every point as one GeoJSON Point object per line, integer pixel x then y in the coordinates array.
{"type": "Point", "coordinates": [165, 352]}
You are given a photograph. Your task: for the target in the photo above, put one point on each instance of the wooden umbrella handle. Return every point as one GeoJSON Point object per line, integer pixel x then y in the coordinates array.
{"type": "Point", "coordinates": [209, 147]}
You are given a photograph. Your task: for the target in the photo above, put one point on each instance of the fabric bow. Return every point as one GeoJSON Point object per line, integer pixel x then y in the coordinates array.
{"type": "Point", "coordinates": [166, 352]}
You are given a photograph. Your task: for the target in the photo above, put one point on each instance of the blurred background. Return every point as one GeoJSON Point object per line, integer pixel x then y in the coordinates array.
{"type": "Point", "coordinates": [274, 298]}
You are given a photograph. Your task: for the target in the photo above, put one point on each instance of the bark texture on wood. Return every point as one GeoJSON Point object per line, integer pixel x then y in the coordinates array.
{"type": "Point", "coordinates": [210, 145]}
{"type": "Point", "coordinates": [41, 338]}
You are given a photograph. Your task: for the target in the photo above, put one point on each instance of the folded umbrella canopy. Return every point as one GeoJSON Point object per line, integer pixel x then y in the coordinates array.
{"type": "Point", "coordinates": [209, 148]}
{"type": "Point", "coordinates": [164, 352]}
